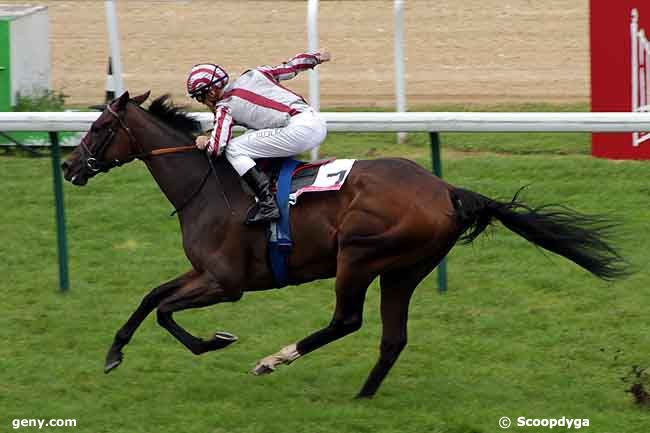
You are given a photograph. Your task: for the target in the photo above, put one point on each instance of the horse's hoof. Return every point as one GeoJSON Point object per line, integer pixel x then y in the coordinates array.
{"type": "Point", "coordinates": [225, 336]}
{"type": "Point", "coordinates": [221, 339]}
{"type": "Point", "coordinates": [261, 369]}
{"type": "Point", "coordinates": [113, 360]}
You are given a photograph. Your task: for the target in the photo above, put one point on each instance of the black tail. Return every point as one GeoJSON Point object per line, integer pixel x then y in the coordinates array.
{"type": "Point", "coordinates": [580, 238]}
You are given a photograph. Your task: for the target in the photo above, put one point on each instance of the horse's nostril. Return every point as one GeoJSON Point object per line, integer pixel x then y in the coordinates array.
{"type": "Point", "coordinates": [65, 165]}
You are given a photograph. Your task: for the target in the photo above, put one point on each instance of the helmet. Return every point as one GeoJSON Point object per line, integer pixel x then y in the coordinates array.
{"type": "Point", "coordinates": [204, 76]}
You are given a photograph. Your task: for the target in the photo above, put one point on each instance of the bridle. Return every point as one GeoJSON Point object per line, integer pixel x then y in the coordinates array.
{"type": "Point", "coordinates": [95, 163]}
{"type": "Point", "coordinates": [94, 160]}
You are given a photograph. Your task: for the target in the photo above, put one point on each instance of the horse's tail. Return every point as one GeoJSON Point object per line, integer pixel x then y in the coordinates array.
{"type": "Point", "coordinates": [578, 237]}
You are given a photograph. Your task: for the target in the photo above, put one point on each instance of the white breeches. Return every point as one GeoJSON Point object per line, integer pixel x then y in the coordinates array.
{"type": "Point", "coordinates": [304, 132]}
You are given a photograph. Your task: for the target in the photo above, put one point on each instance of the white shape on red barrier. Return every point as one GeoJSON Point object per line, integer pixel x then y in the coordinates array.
{"type": "Point", "coordinates": [640, 74]}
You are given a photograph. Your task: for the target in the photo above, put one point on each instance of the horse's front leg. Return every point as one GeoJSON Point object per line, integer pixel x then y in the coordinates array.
{"type": "Point", "coordinates": [148, 304]}
{"type": "Point", "coordinates": [200, 292]}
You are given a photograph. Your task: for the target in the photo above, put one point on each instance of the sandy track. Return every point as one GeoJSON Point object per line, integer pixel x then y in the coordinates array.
{"type": "Point", "coordinates": [471, 51]}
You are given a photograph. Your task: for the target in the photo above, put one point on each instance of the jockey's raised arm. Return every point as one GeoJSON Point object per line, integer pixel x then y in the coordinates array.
{"type": "Point", "coordinates": [298, 63]}
{"type": "Point", "coordinates": [279, 122]}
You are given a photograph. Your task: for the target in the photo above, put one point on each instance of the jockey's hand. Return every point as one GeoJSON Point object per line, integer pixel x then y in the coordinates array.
{"type": "Point", "coordinates": [325, 56]}
{"type": "Point", "coordinates": [202, 141]}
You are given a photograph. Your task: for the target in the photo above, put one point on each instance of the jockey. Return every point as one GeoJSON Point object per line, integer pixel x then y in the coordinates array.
{"type": "Point", "coordinates": [280, 122]}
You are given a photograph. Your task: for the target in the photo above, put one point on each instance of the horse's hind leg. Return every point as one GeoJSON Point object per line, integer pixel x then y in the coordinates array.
{"type": "Point", "coordinates": [396, 290]}
{"type": "Point", "coordinates": [147, 305]}
{"type": "Point", "coordinates": [198, 293]}
{"type": "Point", "coordinates": [351, 286]}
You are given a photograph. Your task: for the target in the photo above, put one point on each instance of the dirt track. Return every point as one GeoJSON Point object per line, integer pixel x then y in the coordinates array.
{"type": "Point", "coordinates": [482, 51]}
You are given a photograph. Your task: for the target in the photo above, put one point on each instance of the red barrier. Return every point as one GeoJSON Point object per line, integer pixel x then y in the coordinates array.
{"type": "Point", "coordinates": [612, 72]}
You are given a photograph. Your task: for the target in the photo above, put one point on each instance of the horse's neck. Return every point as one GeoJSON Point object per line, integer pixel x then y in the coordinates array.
{"type": "Point", "coordinates": [180, 175]}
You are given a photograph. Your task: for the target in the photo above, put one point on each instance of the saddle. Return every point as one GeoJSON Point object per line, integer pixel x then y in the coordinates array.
{"type": "Point", "coordinates": [291, 178]}
{"type": "Point", "coordinates": [303, 173]}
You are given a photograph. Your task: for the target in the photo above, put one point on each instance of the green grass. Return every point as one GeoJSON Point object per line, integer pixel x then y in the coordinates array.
{"type": "Point", "coordinates": [519, 333]}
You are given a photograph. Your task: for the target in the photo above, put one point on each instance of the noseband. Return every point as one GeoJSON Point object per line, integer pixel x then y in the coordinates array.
{"type": "Point", "coordinates": [96, 163]}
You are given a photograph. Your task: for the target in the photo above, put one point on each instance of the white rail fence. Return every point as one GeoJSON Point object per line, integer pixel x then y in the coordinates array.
{"type": "Point", "coordinates": [344, 122]}
{"type": "Point", "coordinates": [386, 122]}
{"type": "Point", "coordinates": [640, 75]}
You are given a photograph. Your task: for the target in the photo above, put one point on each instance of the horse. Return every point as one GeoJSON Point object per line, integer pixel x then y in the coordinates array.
{"type": "Point", "coordinates": [392, 219]}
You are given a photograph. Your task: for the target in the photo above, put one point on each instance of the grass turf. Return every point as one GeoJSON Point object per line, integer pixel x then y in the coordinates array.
{"type": "Point", "coordinates": [520, 333]}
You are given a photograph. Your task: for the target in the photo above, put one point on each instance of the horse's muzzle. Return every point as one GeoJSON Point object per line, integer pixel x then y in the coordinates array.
{"type": "Point", "coordinates": [75, 176]}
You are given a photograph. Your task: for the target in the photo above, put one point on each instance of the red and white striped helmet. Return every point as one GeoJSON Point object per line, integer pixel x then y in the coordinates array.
{"type": "Point", "coordinates": [204, 76]}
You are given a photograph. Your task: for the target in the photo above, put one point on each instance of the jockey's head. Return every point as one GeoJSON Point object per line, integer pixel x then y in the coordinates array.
{"type": "Point", "coordinates": [206, 82]}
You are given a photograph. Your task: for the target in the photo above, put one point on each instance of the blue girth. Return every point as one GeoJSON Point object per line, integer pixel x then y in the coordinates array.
{"type": "Point", "coordinates": [280, 243]}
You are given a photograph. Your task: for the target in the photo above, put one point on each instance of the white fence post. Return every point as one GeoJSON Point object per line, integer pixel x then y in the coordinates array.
{"type": "Point", "coordinates": [634, 26]}
{"type": "Point", "coordinates": [314, 80]}
{"type": "Point", "coordinates": [114, 40]}
{"type": "Point", "coordinates": [400, 94]}
{"type": "Point", "coordinates": [640, 57]}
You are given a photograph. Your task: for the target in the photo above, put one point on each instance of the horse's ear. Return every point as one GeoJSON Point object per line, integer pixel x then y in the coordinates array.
{"type": "Point", "coordinates": [141, 98]}
{"type": "Point", "coordinates": [122, 100]}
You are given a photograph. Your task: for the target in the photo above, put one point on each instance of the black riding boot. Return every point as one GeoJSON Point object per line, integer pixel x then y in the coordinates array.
{"type": "Point", "coordinates": [266, 209]}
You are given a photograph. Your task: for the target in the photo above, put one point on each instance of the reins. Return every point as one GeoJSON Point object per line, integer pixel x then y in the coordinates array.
{"type": "Point", "coordinates": [94, 159]}
{"type": "Point", "coordinates": [197, 190]}
{"type": "Point", "coordinates": [167, 150]}
{"type": "Point", "coordinates": [95, 163]}
{"type": "Point", "coordinates": [211, 169]}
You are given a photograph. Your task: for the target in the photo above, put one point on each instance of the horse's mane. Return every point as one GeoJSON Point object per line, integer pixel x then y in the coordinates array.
{"type": "Point", "coordinates": [164, 110]}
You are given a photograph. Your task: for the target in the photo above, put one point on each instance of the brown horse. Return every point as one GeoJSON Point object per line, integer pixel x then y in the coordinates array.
{"type": "Point", "coordinates": [392, 219]}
